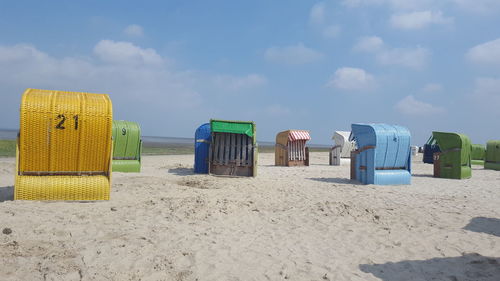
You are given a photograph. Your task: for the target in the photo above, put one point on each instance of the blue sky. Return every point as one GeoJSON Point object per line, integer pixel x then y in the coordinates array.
{"type": "Point", "coordinates": [317, 65]}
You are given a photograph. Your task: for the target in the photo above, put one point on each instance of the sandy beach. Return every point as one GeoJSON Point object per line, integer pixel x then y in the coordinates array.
{"type": "Point", "coordinates": [288, 223]}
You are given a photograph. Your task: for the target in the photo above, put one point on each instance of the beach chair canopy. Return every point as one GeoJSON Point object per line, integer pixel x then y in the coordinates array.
{"type": "Point", "coordinates": [202, 138]}
{"type": "Point", "coordinates": [477, 154]}
{"type": "Point", "coordinates": [492, 156]}
{"type": "Point", "coordinates": [127, 146]}
{"type": "Point", "coordinates": [291, 136]}
{"type": "Point", "coordinates": [64, 146]}
{"type": "Point", "coordinates": [233, 148]}
{"type": "Point", "coordinates": [383, 154]}
{"type": "Point", "coordinates": [290, 148]}
{"type": "Point", "coordinates": [455, 156]}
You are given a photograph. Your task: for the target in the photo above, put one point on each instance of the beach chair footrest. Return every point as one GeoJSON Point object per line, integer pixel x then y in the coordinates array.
{"type": "Point", "coordinates": [79, 188]}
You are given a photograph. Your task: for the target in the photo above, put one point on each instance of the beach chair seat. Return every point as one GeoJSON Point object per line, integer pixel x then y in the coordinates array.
{"type": "Point", "coordinates": [64, 146]}
{"type": "Point", "coordinates": [383, 155]}
{"type": "Point", "coordinates": [79, 188]}
{"type": "Point", "coordinates": [127, 146]}
{"type": "Point", "coordinates": [492, 155]}
{"type": "Point", "coordinates": [233, 148]}
{"type": "Point", "coordinates": [290, 148]}
{"type": "Point", "coordinates": [454, 160]}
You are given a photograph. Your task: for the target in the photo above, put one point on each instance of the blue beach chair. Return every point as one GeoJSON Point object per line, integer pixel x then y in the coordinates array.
{"type": "Point", "coordinates": [202, 138]}
{"type": "Point", "coordinates": [383, 154]}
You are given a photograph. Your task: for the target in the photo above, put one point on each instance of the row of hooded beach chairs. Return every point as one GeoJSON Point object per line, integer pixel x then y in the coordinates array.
{"type": "Point", "coordinates": [229, 148]}
{"type": "Point", "coordinates": [453, 155]}
{"type": "Point", "coordinates": [68, 145]}
{"type": "Point", "coordinates": [487, 156]}
{"type": "Point", "coordinates": [383, 158]}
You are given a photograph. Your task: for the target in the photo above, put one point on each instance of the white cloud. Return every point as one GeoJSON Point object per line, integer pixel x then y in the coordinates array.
{"type": "Point", "coordinates": [410, 106]}
{"type": "Point", "coordinates": [317, 13]}
{"type": "Point", "coordinates": [418, 20]}
{"type": "Point", "coordinates": [236, 83]}
{"type": "Point", "coordinates": [486, 53]}
{"type": "Point", "coordinates": [138, 88]}
{"type": "Point", "coordinates": [416, 57]}
{"type": "Point", "coordinates": [349, 78]}
{"type": "Point", "coordinates": [432, 88]}
{"type": "Point", "coordinates": [408, 57]}
{"type": "Point", "coordinates": [487, 88]}
{"type": "Point", "coordinates": [296, 54]}
{"type": "Point", "coordinates": [126, 53]}
{"type": "Point", "coordinates": [18, 53]}
{"type": "Point", "coordinates": [331, 31]}
{"type": "Point", "coordinates": [393, 4]}
{"type": "Point", "coordinates": [369, 44]}
{"type": "Point", "coordinates": [134, 30]}
{"type": "Point", "coordinates": [318, 18]}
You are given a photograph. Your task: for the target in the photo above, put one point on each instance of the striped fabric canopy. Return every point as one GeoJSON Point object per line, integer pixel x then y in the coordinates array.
{"type": "Point", "coordinates": [298, 135]}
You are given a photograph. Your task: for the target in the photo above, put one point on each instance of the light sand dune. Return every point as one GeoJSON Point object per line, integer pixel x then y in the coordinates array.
{"type": "Point", "coordinates": [289, 223]}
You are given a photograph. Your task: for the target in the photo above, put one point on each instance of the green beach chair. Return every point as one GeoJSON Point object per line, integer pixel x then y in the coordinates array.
{"type": "Point", "coordinates": [127, 147]}
{"type": "Point", "coordinates": [454, 160]}
{"type": "Point", "coordinates": [477, 154]}
{"type": "Point", "coordinates": [492, 157]}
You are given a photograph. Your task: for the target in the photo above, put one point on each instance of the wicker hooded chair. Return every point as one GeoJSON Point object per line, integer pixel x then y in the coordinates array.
{"type": "Point", "coordinates": [64, 146]}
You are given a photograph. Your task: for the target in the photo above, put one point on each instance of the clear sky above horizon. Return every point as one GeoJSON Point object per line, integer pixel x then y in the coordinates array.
{"type": "Point", "coordinates": [316, 65]}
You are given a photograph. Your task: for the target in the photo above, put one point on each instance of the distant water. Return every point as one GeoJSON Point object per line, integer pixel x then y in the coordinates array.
{"type": "Point", "coordinates": [8, 134]}
{"type": "Point", "coordinates": [152, 141]}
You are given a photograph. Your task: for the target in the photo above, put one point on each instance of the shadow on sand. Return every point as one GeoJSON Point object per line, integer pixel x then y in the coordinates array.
{"type": "Point", "coordinates": [484, 225]}
{"type": "Point", "coordinates": [336, 180]}
{"type": "Point", "coordinates": [423, 175]}
{"type": "Point", "coordinates": [6, 193]}
{"type": "Point", "coordinates": [467, 267]}
{"type": "Point", "coordinates": [181, 171]}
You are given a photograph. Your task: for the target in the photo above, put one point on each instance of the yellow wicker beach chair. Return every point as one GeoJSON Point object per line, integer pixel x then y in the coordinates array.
{"type": "Point", "coordinates": [64, 146]}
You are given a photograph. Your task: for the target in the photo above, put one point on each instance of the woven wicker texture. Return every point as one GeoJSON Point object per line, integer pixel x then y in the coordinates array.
{"type": "Point", "coordinates": [64, 136]}
{"type": "Point", "coordinates": [62, 188]}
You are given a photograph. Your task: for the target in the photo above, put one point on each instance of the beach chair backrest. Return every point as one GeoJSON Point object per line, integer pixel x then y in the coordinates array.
{"type": "Point", "coordinates": [64, 146]}
{"type": "Point", "coordinates": [64, 132]}
{"type": "Point", "coordinates": [383, 154]}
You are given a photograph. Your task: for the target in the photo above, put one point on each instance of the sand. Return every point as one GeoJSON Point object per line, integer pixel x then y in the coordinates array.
{"type": "Point", "coordinates": [299, 223]}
